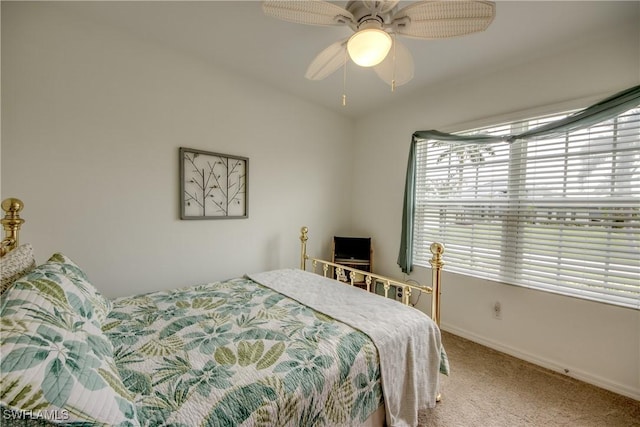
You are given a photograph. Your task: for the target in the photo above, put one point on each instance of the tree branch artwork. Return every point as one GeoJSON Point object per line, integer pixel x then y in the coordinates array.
{"type": "Point", "coordinates": [213, 185]}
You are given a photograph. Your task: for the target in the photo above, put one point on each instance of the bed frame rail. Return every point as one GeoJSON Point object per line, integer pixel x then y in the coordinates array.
{"type": "Point", "coordinates": [348, 275]}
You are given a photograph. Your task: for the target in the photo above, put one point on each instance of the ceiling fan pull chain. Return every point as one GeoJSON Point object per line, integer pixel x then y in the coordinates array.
{"type": "Point", "coordinates": [344, 80]}
{"type": "Point", "coordinates": [393, 72]}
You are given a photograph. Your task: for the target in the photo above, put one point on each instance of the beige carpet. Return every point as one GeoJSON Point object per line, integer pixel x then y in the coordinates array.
{"type": "Point", "coordinates": [488, 388]}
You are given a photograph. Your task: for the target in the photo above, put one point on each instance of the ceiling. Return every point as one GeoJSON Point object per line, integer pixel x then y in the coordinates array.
{"type": "Point", "coordinates": [236, 35]}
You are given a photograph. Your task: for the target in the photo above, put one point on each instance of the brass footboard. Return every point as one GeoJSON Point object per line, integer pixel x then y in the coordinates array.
{"type": "Point", "coordinates": [348, 275]}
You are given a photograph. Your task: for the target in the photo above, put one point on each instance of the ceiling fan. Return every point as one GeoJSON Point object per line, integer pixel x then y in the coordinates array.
{"type": "Point", "coordinates": [376, 25]}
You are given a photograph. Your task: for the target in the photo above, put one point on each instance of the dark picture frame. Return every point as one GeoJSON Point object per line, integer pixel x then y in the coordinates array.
{"type": "Point", "coordinates": [213, 185]}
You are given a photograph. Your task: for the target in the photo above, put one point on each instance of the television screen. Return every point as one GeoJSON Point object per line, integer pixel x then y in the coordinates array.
{"type": "Point", "coordinates": [352, 247]}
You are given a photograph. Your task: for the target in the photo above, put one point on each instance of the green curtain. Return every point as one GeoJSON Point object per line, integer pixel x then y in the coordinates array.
{"type": "Point", "coordinates": [405, 257]}
{"type": "Point", "coordinates": [599, 112]}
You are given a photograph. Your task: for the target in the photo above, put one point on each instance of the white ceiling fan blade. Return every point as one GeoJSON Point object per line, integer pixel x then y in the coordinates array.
{"type": "Point", "coordinates": [442, 19]}
{"type": "Point", "coordinates": [327, 61]}
{"type": "Point", "coordinates": [397, 68]}
{"type": "Point", "coordinates": [311, 12]}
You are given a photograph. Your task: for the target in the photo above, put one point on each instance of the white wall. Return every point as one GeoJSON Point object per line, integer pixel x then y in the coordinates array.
{"type": "Point", "coordinates": [92, 122]}
{"type": "Point", "coordinates": [595, 342]}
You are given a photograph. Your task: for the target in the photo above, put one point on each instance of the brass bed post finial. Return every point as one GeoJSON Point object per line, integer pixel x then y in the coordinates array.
{"type": "Point", "coordinates": [437, 249]}
{"type": "Point", "coordinates": [11, 224]}
{"type": "Point", "coordinates": [303, 251]}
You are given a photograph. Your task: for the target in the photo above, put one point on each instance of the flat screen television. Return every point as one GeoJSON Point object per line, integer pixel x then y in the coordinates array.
{"type": "Point", "coordinates": [357, 248]}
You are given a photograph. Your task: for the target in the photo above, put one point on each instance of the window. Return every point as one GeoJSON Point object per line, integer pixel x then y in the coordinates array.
{"type": "Point", "coordinates": [559, 214]}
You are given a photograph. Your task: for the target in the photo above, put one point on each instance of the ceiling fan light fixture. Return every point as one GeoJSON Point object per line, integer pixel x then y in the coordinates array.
{"type": "Point", "coordinates": [369, 47]}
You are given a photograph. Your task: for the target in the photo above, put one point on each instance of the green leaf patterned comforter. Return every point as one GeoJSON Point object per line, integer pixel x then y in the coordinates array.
{"type": "Point", "coordinates": [238, 353]}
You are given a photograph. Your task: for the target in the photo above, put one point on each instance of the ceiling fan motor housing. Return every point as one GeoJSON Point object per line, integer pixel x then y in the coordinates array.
{"type": "Point", "coordinates": [368, 17]}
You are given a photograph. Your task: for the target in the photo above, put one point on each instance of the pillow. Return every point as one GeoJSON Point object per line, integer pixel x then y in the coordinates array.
{"type": "Point", "coordinates": [56, 364]}
{"type": "Point", "coordinates": [91, 302]}
{"type": "Point", "coordinates": [15, 264]}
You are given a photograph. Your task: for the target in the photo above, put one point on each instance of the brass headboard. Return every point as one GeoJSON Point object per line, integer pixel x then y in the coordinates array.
{"type": "Point", "coordinates": [11, 224]}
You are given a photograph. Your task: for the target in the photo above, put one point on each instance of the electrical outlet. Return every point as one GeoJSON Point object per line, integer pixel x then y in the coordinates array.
{"type": "Point", "coordinates": [399, 293]}
{"type": "Point", "coordinates": [497, 310]}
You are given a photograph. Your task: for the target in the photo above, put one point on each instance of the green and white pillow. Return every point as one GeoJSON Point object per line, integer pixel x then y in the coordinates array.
{"type": "Point", "coordinates": [85, 296]}
{"type": "Point", "coordinates": [56, 363]}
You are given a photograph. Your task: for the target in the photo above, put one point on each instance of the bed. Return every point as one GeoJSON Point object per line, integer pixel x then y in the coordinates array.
{"type": "Point", "coordinates": [265, 349]}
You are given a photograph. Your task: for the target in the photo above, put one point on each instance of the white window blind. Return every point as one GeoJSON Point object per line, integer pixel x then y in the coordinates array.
{"type": "Point", "coordinates": [561, 214]}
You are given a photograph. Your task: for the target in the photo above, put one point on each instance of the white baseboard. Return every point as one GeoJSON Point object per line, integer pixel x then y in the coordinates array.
{"type": "Point", "coordinates": [545, 363]}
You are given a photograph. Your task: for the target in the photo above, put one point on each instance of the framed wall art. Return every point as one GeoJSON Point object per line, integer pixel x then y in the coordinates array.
{"type": "Point", "coordinates": [213, 185]}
